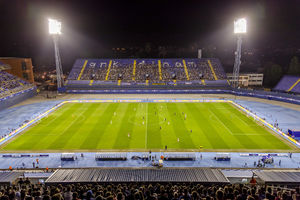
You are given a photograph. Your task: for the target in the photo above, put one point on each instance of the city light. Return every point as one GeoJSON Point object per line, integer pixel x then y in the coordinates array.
{"type": "Point", "coordinates": [54, 27]}
{"type": "Point", "coordinates": [240, 26]}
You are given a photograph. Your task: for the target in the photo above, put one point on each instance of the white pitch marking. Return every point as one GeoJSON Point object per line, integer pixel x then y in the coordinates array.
{"type": "Point", "coordinates": [220, 121]}
{"type": "Point", "coordinates": [146, 134]}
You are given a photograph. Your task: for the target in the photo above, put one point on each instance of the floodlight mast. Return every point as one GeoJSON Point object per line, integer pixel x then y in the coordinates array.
{"type": "Point", "coordinates": [237, 62]}
{"type": "Point", "coordinates": [55, 31]}
{"type": "Point", "coordinates": [240, 28]}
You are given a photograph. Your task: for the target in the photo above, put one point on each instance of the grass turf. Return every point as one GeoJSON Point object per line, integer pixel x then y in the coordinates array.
{"type": "Point", "coordinates": [140, 126]}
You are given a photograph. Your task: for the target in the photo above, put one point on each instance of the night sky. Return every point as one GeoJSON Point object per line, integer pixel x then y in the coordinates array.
{"type": "Point", "coordinates": [91, 28]}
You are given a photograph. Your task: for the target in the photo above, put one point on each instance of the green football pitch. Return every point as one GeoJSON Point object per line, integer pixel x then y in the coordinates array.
{"type": "Point", "coordinates": [146, 126]}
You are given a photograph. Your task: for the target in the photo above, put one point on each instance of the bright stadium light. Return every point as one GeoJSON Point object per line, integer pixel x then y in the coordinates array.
{"type": "Point", "coordinates": [54, 27]}
{"type": "Point", "coordinates": [240, 26]}
{"type": "Point", "coordinates": [55, 31]}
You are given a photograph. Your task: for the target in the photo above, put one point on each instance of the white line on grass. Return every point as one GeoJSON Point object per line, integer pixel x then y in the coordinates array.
{"type": "Point", "coordinates": [73, 121]}
{"type": "Point", "coordinates": [220, 121]}
{"type": "Point", "coordinates": [247, 134]}
{"type": "Point", "coordinates": [245, 114]}
{"type": "Point", "coordinates": [232, 133]}
{"type": "Point", "coordinates": [146, 134]}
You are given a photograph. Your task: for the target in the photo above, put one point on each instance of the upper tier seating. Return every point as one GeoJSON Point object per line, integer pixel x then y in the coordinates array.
{"type": "Point", "coordinates": [173, 69]}
{"type": "Point", "coordinates": [120, 69]}
{"type": "Point", "coordinates": [289, 84]}
{"type": "Point", "coordinates": [95, 71]}
{"type": "Point", "coordinates": [296, 88]}
{"type": "Point", "coordinates": [219, 70]}
{"type": "Point", "coordinates": [146, 69]}
{"type": "Point", "coordinates": [153, 70]}
{"type": "Point", "coordinates": [198, 69]}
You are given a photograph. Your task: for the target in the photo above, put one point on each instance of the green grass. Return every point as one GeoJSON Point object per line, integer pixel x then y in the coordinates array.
{"type": "Point", "coordinates": [106, 126]}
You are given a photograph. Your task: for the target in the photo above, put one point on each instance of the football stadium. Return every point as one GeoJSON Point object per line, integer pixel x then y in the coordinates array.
{"type": "Point", "coordinates": [156, 122]}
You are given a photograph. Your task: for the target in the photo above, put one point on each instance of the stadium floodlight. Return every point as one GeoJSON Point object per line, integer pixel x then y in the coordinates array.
{"type": "Point", "coordinates": [54, 27]}
{"type": "Point", "coordinates": [55, 31]}
{"type": "Point", "coordinates": [240, 26]}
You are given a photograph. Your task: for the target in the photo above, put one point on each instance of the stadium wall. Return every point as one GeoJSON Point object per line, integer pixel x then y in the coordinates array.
{"type": "Point", "coordinates": [20, 67]}
{"type": "Point", "coordinates": [18, 97]}
{"type": "Point", "coordinates": [288, 98]}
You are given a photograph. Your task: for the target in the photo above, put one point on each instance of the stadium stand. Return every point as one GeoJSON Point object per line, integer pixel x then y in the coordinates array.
{"type": "Point", "coordinates": [95, 72]}
{"type": "Point", "coordinates": [173, 69]}
{"type": "Point", "coordinates": [198, 69]}
{"type": "Point", "coordinates": [76, 70]}
{"type": "Point", "coordinates": [147, 70]}
{"type": "Point", "coordinates": [120, 69]}
{"type": "Point", "coordinates": [23, 188]}
{"type": "Point", "coordinates": [133, 74]}
{"type": "Point", "coordinates": [296, 88]}
{"type": "Point", "coordinates": [4, 66]}
{"type": "Point", "coordinates": [13, 90]}
{"type": "Point", "coordinates": [10, 83]}
{"type": "Point", "coordinates": [137, 70]}
{"type": "Point", "coordinates": [217, 66]}
{"type": "Point", "coordinates": [288, 84]}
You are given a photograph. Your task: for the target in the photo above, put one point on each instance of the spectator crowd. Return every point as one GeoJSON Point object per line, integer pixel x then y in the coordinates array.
{"type": "Point", "coordinates": [9, 82]}
{"type": "Point", "coordinates": [24, 190]}
{"type": "Point", "coordinates": [197, 69]}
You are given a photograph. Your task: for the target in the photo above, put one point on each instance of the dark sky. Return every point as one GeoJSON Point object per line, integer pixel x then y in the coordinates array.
{"type": "Point", "coordinates": [92, 27]}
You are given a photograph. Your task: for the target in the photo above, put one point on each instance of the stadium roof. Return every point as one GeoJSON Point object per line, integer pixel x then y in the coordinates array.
{"type": "Point", "coordinates": [199, 175]}
{"type": "Point", "coordinates": [279, 177]}
{"type": "Point", "coordinates": [9, 177]}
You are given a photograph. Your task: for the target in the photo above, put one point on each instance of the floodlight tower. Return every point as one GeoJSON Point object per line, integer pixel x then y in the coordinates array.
{"type": "Point", "coordinates": [55, 31]}
{"type": "Point", "coordinates": [240, 28]}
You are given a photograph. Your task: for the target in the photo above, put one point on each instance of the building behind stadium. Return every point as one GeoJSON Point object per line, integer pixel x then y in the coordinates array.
{"type": "Point", "coordinates": [20, 67]}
